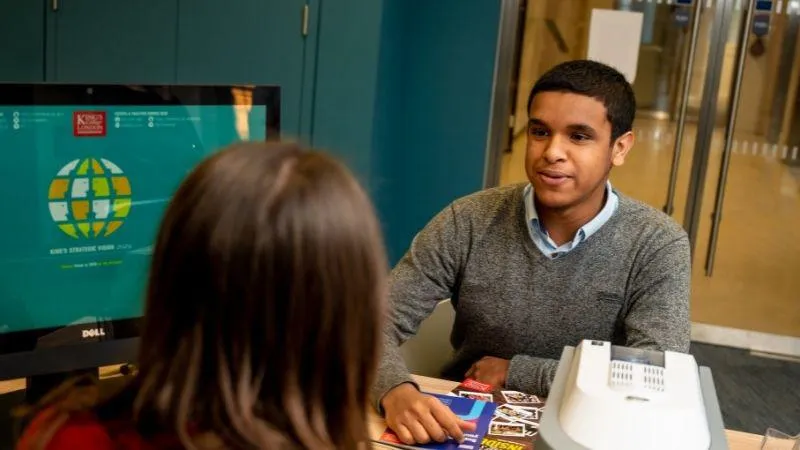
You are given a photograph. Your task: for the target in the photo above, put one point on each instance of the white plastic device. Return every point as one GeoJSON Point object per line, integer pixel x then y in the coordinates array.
{"type": "Point", "coordinates": [625, 398]}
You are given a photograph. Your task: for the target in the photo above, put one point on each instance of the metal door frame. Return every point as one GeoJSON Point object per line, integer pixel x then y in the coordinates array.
{"type": "Point", "coordinates": [506, 56]}
{"type": "Point", "coordinates": [720, 26]}
{"type": "Point", "coordinates": [706, 124]}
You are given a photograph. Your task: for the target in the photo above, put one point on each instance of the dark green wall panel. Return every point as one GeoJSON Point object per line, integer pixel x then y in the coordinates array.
{"type": "Point", "coordinates": [433, 103]}
{"type": "Point", "coordinates": [347, 75]}
{"type": "Point", "coordinates": [22, 40]}
{"type": "Point", "coordinates": [248, 42]}
{"type": "Point", "coordinates": [112, 41]}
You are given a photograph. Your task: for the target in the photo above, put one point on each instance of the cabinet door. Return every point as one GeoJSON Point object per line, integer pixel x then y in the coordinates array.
{"type": "Point", "coordinates": [245, 42]}
{"type": "Point", "coordinates": [112, 41]}
{"type": "Point", "coordinates": [22, 37]}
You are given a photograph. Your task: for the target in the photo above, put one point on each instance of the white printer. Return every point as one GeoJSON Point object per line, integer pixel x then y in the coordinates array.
{"type": "Point", "coordinates": [610, 397]}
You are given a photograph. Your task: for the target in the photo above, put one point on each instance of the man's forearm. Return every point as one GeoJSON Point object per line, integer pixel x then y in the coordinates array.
{"type": "Point", "coordinates": [391, 373]}
{"type": "Point", "coordinates": [422, 278]}
{"type": "Point", "coordinates": [531, 375]}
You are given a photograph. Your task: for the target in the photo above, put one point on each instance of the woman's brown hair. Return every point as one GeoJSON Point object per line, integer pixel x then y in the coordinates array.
{"type": "Point", "coordinates": [264, 305]}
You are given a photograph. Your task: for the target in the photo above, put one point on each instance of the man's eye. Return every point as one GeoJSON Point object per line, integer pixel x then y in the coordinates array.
{"type": "Point", "coordinates": [538, 132]}
{"type": "Point", "coordinates": [580, 137]}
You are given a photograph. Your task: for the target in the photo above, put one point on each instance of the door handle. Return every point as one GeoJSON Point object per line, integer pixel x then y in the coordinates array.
{"type": "Point", "coordinates": [669, 207]}
{"type": "Point", "coordinates": [55, 5]}
{"type": "Point", "coordinates": [304, 21]}
{"type": "Point", "coordinates": [741, 55]}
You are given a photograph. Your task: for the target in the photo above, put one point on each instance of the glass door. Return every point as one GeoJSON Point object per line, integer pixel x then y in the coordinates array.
{"type": "Point", "coordinates": [746, 206]}
{"type": "Point", "coordinates": [717, 137]}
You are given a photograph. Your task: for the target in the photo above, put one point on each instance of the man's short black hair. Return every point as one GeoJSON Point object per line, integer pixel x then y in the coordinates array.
{"type": "Point", "coordinates": [596, 80]}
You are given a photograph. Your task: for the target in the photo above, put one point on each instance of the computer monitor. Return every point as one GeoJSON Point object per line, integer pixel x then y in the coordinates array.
{"type": "Point", "coordinates": [85, 176]}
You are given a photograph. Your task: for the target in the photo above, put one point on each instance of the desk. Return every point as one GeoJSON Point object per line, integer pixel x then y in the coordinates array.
{"type": "Point", "coordinates": [736, 439]}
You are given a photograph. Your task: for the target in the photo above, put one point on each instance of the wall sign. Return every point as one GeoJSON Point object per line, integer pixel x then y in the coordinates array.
{"type": "Point", "coordinates": [761, 25]}
{"type": "Point", "coordinates": [765, 6]}
{"type": "Point", "coordinates": [682, 17]}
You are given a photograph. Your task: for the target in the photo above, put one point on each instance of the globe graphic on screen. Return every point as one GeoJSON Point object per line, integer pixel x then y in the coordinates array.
{"type": "Point", "coordinates": [89, 198]}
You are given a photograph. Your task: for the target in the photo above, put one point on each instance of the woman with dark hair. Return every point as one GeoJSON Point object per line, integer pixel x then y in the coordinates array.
{"type": "Point", "coordinates": [263, 316]}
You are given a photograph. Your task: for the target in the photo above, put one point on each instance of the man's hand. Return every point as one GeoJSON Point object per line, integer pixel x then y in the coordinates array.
{"type": "Point", "coordinates": [419, 418]}
{"type": "Point", "coordinates": [490, 370]}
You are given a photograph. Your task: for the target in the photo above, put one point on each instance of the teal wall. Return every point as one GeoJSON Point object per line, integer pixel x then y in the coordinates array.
{"type": "Point", "coordinates": [434, 101]}
{"type": "Point", "coordinates": [91, 41]}
{"type": "Point", "coordinates": [165, 41]}
{"type": "Point", "coordinates": [22, 36]}
{"type": "Point", "coordinates": [405, 87]}
{"type": "Point", "coordinates": [346, 77]}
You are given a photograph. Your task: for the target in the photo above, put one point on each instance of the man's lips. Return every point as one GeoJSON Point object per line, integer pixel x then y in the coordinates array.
{"type": "Point", "coordinates": [553, 177]}
{"type": "Point", "coordinates": [553, 173]}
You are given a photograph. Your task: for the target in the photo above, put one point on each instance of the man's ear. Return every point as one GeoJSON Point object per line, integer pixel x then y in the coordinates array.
{"type": "Point", "coordinates": [621, 147]}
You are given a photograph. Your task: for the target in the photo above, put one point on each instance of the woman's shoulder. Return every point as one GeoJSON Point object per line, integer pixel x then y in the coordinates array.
{"type": "Point", "coordinates": [77, 430]}
{"type": "Point", "coordinates": [85, 430]}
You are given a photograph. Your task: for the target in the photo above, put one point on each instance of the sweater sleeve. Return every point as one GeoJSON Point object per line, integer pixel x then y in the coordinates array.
{"type": "Point", "coordinates": [531, 374]}
{"type": "Point", "coordinates": [658, 312]}
{"type": "Point", "coordinates": [427, 274]}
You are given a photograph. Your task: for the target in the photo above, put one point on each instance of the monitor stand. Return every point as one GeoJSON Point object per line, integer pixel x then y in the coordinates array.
{"type": "Point", "coordinates": [37, 387]}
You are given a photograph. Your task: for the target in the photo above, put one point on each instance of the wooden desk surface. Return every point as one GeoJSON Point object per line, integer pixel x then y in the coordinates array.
{"type": "Point", "coordinates": [7, 386]}
{"type": "Point", "coordinates": [736, 439]}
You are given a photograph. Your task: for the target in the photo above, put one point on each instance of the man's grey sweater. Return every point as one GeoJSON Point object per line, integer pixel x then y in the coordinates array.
{"type": "Point", "coordinates": [628, 283]}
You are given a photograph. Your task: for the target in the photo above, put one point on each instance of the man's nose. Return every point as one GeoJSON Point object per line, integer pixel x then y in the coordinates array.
{"type": "Point", "coordinates": [554, 151]}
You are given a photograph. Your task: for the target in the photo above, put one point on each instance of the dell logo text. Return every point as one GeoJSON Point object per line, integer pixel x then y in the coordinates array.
{"type": "Point", "coordinates": [92, 332]}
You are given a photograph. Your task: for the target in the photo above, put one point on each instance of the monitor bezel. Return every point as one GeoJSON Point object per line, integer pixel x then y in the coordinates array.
{"type": "Point", "coordinates": [22, 353]}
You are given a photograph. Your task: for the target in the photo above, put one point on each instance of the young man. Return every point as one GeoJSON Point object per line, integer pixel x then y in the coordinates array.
{"type": "Point", "coordinates": [531, 268]}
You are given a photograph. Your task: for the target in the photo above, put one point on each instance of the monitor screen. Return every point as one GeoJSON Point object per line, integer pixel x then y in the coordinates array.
{"type": "Point", "coordinates": [87, 173]}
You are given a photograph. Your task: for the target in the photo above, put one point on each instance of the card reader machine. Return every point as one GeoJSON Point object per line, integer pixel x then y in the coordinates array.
{"type": "Point", "coordinates": [610, 397]}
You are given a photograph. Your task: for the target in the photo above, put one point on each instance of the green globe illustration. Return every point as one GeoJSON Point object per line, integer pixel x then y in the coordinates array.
{"type": "Point", "coordinates": [89, 198]}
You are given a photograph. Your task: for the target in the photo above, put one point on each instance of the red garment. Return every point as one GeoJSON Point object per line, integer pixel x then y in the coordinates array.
{"type": "Point", "coordinates": [86, 431]}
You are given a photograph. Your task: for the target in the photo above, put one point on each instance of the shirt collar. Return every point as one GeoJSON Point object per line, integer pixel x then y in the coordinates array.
{"type": "Point", "coordinates": [532, 217]}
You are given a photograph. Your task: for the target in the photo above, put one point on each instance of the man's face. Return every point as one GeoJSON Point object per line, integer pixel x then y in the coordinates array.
{"type": "Point", "coordinates": [570, 151]}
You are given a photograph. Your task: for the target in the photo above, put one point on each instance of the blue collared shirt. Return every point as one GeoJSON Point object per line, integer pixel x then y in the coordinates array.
{"type": "Point", "coordinates": [542, 239]}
